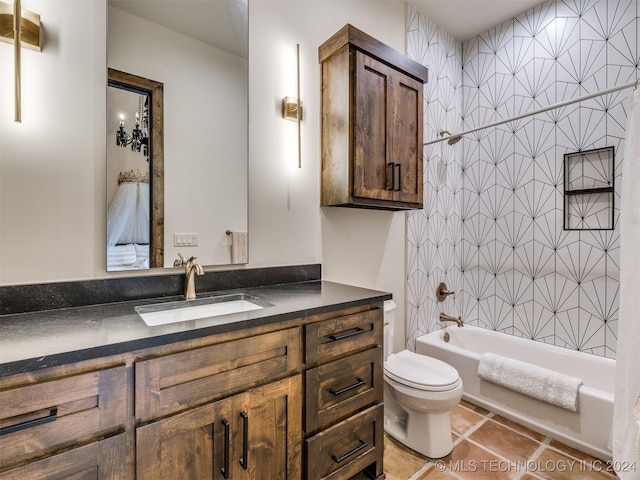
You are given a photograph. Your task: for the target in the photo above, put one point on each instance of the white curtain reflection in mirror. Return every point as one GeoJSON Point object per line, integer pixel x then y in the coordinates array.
{"type": "Point", "coordinates": [127, 182]}
{"type": "Point", "coordinates": [128, 223]}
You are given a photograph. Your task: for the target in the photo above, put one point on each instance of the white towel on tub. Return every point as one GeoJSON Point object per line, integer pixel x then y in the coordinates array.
{"type": "Point", "coordinates": [531, 380]}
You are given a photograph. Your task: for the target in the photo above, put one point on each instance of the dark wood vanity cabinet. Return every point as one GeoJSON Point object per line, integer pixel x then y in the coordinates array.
{"type": "Point", "coordinates": [372, 124]}
{"type": "Point", "coordinates": [296, 399]}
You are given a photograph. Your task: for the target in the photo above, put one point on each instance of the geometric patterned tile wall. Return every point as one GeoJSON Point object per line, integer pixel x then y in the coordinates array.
{"type": "Point", "coordinates": [495, 233]}
{"type": "Point", "coordinates": [434, 234]}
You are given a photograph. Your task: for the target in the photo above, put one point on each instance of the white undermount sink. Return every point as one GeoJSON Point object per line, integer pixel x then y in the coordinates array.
{"type": "Point", "coordinates": [206, 307]}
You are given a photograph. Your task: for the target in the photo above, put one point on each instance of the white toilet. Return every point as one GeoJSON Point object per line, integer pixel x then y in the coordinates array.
{"type": "Point", "coordinates": [419, 392]}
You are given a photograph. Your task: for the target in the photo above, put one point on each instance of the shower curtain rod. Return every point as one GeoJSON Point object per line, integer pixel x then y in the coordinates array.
{"type": "Point", "coordinates": [535, 112]}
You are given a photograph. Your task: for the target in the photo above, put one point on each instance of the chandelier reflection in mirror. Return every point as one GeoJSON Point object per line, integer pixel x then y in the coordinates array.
{"type": "Point", "coordinates": [139, 137]}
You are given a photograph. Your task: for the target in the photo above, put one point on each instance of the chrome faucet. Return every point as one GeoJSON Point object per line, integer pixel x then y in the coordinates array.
{"type": "Point", "coordinates": [447, 318]}
{"type": "Point", "coordinates": [191, 269]}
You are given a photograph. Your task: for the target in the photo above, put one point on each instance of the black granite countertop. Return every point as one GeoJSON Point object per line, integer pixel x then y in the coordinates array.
{"type": "Point", "coordinates": [43, 339]}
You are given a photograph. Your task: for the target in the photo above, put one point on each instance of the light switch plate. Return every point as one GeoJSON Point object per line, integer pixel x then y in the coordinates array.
{"type": "Point", "coordinates": [185, 239]}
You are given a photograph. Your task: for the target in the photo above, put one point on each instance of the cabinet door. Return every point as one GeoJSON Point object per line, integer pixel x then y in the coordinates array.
{"type": "Point", "coordinates": [405, 127]}
{"type": "Point", "coordinates": [388, 133]}
{"type": "Point", "coordinates": [251, 435]}
{"type": "Point", "coordinates": [372, 170]}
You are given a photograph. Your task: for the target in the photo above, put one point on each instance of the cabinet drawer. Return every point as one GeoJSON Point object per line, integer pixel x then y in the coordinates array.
{"type": "Point", "coordinates": [337, 389]}
{"type": "Point", "coordinates": [348, 447]}
{"type": "Point", "coordinates": [36, 419]}
{"type": "Point", "coordinates": [341, 336]}
{"type": "Point", "coordinates": [174, 382]}
{"type": "Point", "coordinates": [103, 460]}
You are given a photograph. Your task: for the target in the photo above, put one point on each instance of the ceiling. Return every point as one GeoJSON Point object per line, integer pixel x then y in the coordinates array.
{"type": "Point", "coordinates": [221, 23]}
{"type": "Point", "coordinates": [465, 19]}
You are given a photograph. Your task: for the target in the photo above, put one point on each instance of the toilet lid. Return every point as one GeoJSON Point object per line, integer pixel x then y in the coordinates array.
{"type": "Point", "coordinates": [421, 372]}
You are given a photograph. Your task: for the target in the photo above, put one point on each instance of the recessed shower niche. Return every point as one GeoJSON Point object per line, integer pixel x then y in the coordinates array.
{"type": "Point", "coordinates": [589, 189]}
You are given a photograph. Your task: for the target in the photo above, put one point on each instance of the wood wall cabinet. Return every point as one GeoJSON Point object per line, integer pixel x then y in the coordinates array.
{"type": "Point", "coordinates": [372, 124]}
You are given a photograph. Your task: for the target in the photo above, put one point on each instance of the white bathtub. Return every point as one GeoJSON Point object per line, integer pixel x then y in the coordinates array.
{"type": "Point", "coordinates": [587, 429]}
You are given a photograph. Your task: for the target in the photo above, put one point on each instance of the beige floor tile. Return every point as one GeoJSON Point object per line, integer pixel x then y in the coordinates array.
{"type": "Point", "coordinates": [482, 411]}
{"type": "Point", "coordinates": [462, 419]}
{"type": "Point", "coordinates": [470, 461]}
{"type": "Point", "coordinates": [572, 452]}
{"type": "Point", "coordinates": [400, 462]}
{"type": "Point", "coordinates": [494, 440]}
{"type": "Point", "coordinates": [557, 466]}
{"type": "Point", "coordinates": [516, 426]}
{"type": "Point", "coordinates": [505, 442]}
{"type": "Point", "coordinates": [435, 474]}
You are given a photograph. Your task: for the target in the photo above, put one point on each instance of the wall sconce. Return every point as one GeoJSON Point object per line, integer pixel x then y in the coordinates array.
{"type": "Point", "coordinates": [292, 107]}
{"type": "Point", "coordinates": [23, 29]}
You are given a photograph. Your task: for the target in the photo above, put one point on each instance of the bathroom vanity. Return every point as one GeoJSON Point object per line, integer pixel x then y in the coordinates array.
{"type": "Point", "coordinates": [292, 391]}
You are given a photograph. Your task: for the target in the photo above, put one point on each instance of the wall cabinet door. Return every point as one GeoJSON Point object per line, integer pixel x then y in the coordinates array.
{"type": "Point", "coordinates": [372, 130]}
{"type": "Point", "coordinates": [388, 133]}
{"type": "Point", "coordinates": [253, 435]}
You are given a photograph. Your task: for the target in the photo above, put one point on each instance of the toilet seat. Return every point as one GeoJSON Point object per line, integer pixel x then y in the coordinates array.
{"type": "Point", "coordinates": [421, 372]}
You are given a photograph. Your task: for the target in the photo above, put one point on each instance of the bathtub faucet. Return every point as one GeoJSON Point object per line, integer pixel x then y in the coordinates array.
{"type": "Point", "coordinates": [447, 318]}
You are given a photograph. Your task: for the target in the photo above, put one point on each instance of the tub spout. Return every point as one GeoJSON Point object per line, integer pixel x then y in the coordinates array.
{"type": "Point", "coordinates": [447, 318]}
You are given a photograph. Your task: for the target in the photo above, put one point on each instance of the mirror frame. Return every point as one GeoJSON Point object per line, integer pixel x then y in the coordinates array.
{"type": "Point", "coordinates": [155, 90]}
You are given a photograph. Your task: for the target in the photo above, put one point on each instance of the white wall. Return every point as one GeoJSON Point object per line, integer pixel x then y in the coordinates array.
{"type": "Point", "coordinates": [52, 166]}
{"type": "Point", "coordinates": [359, 247]}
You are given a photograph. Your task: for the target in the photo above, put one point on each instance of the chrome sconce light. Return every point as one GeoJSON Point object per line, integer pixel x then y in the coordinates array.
{"type": "Point", "coordinates": [23, 29]}
{"type": "Point", "coordinates": [292, 107]}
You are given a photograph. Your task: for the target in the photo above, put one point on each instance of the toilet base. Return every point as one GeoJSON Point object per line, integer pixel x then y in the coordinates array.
{"type": "Point", "coordinates": [428, 433]}
{"type": "Point", "coordinates": [429, 436]}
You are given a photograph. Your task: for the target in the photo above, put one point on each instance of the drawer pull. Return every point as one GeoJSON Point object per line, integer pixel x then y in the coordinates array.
{"type": "Point", "coordinates": [356, 331]}
{"type": "Point", "coordinates": [363, 444]}
{"type": "Point", "coordinates": [225, 468]}
{"type": "Point", "coordinates": [244, 461]}
{"type": "Point", "coordinates": [359, 383]}
{"type": "Point", "coordinates": [53, 415]}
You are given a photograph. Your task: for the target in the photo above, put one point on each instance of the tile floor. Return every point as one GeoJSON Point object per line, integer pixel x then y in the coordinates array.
{"type": "Point", "coordinates": [488, 446]}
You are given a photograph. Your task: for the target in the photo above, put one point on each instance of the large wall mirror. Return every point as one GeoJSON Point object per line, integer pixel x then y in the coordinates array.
{"type": "Point", "coordinates": [177, 170]}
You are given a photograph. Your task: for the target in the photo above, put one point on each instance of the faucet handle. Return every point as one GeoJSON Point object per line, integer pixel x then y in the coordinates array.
{"type": "Point", "coordinates": [442, 292]}
{"type": "Point", "coordinates": [179, 262]}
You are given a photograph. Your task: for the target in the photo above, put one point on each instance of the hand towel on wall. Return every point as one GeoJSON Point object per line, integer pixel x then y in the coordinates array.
{"type": "Point", "coordinates": [239, 250]}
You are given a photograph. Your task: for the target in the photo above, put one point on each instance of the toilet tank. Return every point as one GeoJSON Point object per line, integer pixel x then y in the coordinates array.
{"type": "Point", "coordinates": [389, 326]}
